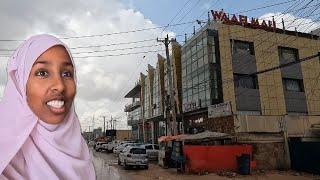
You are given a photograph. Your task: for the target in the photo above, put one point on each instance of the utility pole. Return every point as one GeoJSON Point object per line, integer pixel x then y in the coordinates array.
{"type": "Point", "coordinates": [166, 42]}
{"type": "Point", "coordinates": [115, 123]}
{"type": "Point", "coordinates": [104, 125]}
{"type": "Point", "coordinates": [111, 123]}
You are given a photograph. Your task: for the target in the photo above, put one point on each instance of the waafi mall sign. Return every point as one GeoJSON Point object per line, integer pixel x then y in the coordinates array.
{"type": "Point", "coordinates": [243, 21]}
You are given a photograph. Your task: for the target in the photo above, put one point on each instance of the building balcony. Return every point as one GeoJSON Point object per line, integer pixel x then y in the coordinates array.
{"type": "Point", "coordinates": [133, 106]}
{"type": "Point", "coordinates": [132, 122]}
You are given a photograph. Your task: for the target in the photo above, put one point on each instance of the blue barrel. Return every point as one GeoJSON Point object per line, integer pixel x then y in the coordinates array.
{"type": "Point", "coordinates": [244, 164]}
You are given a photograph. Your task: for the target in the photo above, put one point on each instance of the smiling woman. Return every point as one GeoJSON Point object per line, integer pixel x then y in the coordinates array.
{"type": "Point", "coordinates": [40, 131]}
{"type": "Point", "coordinates": [51, 86]}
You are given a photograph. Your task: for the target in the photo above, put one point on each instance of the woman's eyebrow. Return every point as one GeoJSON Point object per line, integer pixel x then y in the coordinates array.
{"type": "Point", "coordinates": [41, 62]}
{"type": "Point", "coordinates": [68, 63]}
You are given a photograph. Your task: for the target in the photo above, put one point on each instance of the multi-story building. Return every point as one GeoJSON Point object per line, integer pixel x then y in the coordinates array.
{"type": "Point", "coordinates": [152, 92]}
{"type": "Point", "coordinates": [175, 63]}
{"type": "Point", "coordinates": [133, 110]}
{"type": "Point", "coordinates": [226, 88]}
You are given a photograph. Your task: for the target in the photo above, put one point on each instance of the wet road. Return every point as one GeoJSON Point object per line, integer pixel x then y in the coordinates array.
{"type": "Point", "coordinates": [106, 168]}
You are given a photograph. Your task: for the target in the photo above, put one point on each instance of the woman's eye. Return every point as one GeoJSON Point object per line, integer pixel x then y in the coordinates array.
{"type": "Point", "coordinates": [67, 74]}
{"type": "Point", "coordinates": [42, 73]}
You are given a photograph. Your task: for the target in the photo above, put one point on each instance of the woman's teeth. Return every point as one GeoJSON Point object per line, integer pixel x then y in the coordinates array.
{"type": "Point", "coordinates": [56, 103]}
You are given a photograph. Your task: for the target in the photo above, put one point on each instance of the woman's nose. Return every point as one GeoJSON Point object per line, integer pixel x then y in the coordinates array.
{"type": "Point", "coordinates": [58, 84]}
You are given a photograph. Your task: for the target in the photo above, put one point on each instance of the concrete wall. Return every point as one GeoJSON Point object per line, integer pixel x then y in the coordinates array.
{"type": "Point", "coordinates": [123, 134]}
{"type": "Point", "coordinates": [269, 155]}
{"type": "Point", "coordinates": [268, 149]}
{"type": "Point", "coordinates": [267, 56]}
{"type": "Point", "coordinates": [296, 126]}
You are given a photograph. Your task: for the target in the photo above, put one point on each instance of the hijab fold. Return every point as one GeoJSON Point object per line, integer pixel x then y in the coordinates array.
{"type": "Point", "coordinates": [46, 151]}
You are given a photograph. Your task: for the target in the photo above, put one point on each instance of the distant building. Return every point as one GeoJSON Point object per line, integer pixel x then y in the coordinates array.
{"type": "Point", "coordinates": [217, 88]}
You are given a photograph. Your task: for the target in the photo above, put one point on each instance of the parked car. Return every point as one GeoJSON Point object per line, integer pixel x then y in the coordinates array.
{"type": "Point", "coordinates": [111, 145]}
{"type": "Point", "coordinates": [119, 148]}
{"type": "Point", "coordinates": [91, 144]}
{"type": "Point", "coordinates": [152, 151]}
{"type": "Point", "coordinates": [133, 156]}
{"type": "Point", "coordinates": [98, 146]}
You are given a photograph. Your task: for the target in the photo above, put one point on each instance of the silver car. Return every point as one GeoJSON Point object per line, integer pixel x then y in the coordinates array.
{"type": "Point", "coordinates": [133, 156]}
{"type": "Point", "coordinates": [152, 151]}
{"type": "Point", "coordinates": [120, 147]}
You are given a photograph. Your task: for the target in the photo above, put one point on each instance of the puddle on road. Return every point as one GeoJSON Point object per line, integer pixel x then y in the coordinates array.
{"type": "Point", "coordinates": [105, 171]}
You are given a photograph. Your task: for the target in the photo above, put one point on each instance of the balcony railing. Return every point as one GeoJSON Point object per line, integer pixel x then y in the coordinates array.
{"type": "Point", "coordinates": [132, 122]}
{"type": "Point", "coordinates": [131, 107]}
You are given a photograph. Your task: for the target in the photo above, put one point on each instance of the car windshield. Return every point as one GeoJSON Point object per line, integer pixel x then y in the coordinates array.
{"type": "Point", "coordinates": [138, 151]}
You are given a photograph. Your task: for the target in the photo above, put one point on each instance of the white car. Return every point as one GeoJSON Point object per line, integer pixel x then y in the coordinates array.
{"type": "Point", "coordinates": [133, 156]}
{"type": "Point", "coordinates": [120, 147]}
{"type": "Point", "coordinates": [111, 145]}
{"type": "Point", "coordinates": [98, 146]}
{"type": "Point", "coordinates": [152, 151]}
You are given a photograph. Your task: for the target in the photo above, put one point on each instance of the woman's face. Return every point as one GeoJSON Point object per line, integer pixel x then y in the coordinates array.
{"type": "Point", "coordinates": [51, 86]}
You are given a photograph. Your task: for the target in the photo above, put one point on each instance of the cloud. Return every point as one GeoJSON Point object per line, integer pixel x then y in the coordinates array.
{"type": "Point", "coordinates": [102, 81]}
{"type": "Point", "coordinates": [291, 22]}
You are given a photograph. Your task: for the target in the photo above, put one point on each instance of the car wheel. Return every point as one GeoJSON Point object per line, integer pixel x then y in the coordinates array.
{"type": "Point", "coordinates": [119, 162]}
{"type": "Point", "coordinates": [146, 167]}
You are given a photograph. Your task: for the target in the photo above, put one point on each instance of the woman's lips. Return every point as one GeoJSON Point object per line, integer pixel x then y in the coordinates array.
{"type": "Point", "coordinates": [56, 106]}
{"type": "Point", "coordinates": [57, 110]}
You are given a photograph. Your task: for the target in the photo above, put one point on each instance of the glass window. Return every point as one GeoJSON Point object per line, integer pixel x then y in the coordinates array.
{"type": "Point", "coordinates": [195, 83]}
{"type": "Point", "coordinates": [148, 147]}
{"type": "Point", "coordinates": [193, 47]}
{"type": "Point", "coordinates": [200, 53]}
{"type": "Point", "coordinates": [156, 147]}
{"type": "Point", "coordinates": [202, 95]}
{"type": "Point", "coordinates": [243, 81]}
{"type": "Point", "coordinates": [207, 94]}
{"type": "Point", "coordinates": [288, 55]}
{"type": "Point", "coordinates": [206, 73]}
{"type": "Point", "coordinates": [184, 72]}
{"type": "Point", "coordinates": [214, 58]}
{"type": "Point", "coordinates": [204, 41]}
{"type": "Point", "coordinates": [138, 151]}
{"type": "Point", "coordinates": [194, 58]}
{"type": "Point", "coordinates": [184, 64]}
{"type": "Point", "coordinates": [201, 77]}
{"type": "Point", "coordinates": [189, 91]}
{"type": "Point", "coordinates": [242, 47]}
{"type": "Point", "coordinates": [188, 60]}
{"type": "Point", "coordinates": [205, 59]}
{"type": "Point", "coordinates": [194, 66]}
{"type": "Point", "coordinates": [188, 69]}
{"type": "Point", "coordinates": [200, 62]}
{"type": "Point", "coordinates": [295, 85]}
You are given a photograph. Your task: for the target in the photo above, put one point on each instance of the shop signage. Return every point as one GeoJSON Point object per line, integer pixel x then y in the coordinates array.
{"type": "Point", "coordinates": [243, 20]}
{"type": "Point", "coordinates": [219, 110]}
{"type": "Point", "coordinates": [189, 106]}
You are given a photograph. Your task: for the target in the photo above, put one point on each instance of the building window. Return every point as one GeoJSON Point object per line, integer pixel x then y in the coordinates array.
{"type": "Point", "coordinates": [244, 81]}
{"type": "Point", "coordinates": [242, 47]}
{"type": "Point", "coordinates": [294, 85]}
{"type": "Point", "coordinates": [288, 55]}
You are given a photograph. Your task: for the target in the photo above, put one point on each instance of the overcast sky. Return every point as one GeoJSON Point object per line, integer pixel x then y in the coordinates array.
{"type": "Point", "coordinates": [103, 81]}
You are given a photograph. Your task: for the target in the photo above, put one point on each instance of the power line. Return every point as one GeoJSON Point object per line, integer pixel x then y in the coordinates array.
{"type": "Point", "coordinates": [106, 50]}
{"type": "Point", "coordinates": [175, 16]}
{"type": "Point", "coordinates": [263, 7]}
{"type": "Point", "coordinates": [122, 54]}
{"type": "Point", "coordinates": [106, 34]}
